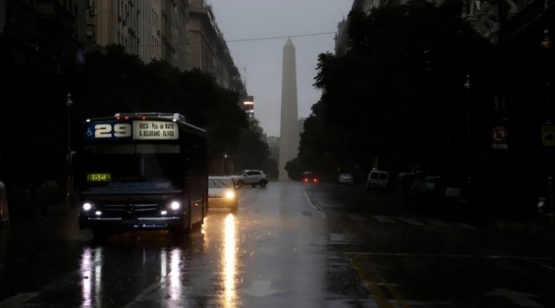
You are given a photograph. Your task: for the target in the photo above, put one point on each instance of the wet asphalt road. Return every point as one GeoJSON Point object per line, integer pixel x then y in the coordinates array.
{"type": "Point", "coordinates": [289, 245]}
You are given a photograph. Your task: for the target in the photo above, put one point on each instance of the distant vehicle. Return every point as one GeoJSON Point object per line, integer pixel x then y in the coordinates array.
{"type": "Point", "coordinates": [426, 192]}
{"type": "Point", "coordinates": [222, 193]}
{"type": "Point", "coordinates": [309, 177]}
{"type": "Point", "coordinates": [250, 177]}
{"type": "Point", "coordinates": [433, 192]}
{"type": "Point", "coordinates": [345, 178]}
{"type": "Point", "coordinates": [377, 179]}
{"type": "Point", "coordinates": [142, 171]}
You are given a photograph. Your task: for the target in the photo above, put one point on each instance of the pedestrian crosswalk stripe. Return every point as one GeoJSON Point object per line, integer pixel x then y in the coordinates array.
{"type": "Point", "coordinates": [439, 223]}
{"type": "Point", "coordinates": [465, 225]}
{"type": "Point", "coordinates": [383, 219]}
{"type": "Point", "coordinates": [410, 221]}
{"type": "Point", "coordinates": [355, 217]}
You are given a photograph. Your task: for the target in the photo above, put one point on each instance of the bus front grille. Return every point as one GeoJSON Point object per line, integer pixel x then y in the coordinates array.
{"type": "Point", "coordinates": [131, 208]}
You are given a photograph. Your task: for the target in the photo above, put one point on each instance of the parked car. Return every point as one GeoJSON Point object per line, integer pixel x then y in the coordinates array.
{"type": "Point", "coordinates": [436, 194]}
{"type": "Point", "coordinates": [222, 193]}
{"type": "Point", "coordinates": [250, 177]}
{"type": "Point", "coordinates": [309, 177]}
{"type": "Point", "coordinates": [377, 179]}
{"type": "Point", "coordinates": [345, 178]}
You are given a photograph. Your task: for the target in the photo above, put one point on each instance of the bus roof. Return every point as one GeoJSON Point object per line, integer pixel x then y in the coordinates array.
{"type": "Point", "coordinates": [158, 115]}
{"type": "Point", "coordinates": [168, 116]}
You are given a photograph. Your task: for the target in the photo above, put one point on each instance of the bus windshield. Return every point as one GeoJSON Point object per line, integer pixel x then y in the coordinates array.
{"type": "Point", "coordinates": [145, 166]}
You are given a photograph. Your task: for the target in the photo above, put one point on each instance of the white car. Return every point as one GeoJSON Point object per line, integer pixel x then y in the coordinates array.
{"type": "Point", "coordinates": [222, 193]}
{"type": "Point", "coordinates": [345, 178]}
{"type": "Point", "coordinates": [250, 177]}
{"type": "Point", "coordinates": [377, 179]}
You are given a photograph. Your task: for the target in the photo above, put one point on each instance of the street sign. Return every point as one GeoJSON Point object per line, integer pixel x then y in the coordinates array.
{"type": "Point", "coordinates": [499, 134]}
{"type": "Point", "coordinates": [499, 137]}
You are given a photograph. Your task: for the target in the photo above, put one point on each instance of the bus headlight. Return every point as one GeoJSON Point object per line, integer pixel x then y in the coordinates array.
{"type": "Point", "coordinates": [87, 206]}
{"type": "Point", "coordinates": [175, 205]}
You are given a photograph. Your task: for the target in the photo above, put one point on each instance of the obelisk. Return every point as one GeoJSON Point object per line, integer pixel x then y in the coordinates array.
{"type": "Point", "coordinates": [289, 130]}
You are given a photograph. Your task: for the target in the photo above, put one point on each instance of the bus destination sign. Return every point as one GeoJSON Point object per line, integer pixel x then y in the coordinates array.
{"type": "Point", "coordinates": [155, 130]}
{"type": "Point", "coordinates": [137, 130]}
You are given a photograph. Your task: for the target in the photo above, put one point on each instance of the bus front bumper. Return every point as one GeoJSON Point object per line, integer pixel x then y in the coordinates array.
{"type": "Point", "coordinates": [130, 223]}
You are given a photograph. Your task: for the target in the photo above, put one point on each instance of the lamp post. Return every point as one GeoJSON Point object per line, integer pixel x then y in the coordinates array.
{"type": "Point", "coordinates": [467, 88]}
{"type": "Point", "coordinates": [224, 164]}
{"type": "Point", "coordinates": [546, 44]}
{"type": "Point", "coordinates": [69, 184]}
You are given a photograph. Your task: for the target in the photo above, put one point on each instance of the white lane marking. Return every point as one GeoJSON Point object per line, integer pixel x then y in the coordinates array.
{"type": "Point", "coordinates": [17, 300]}
{"type": "Point", "coordinates": [519, 298]}
{"type": "Point", "coordinates": [260, 288]}
{"type": "Point", "coordinates": [537, 262]}
{"type": "Point", "coordinates": [338, 238]}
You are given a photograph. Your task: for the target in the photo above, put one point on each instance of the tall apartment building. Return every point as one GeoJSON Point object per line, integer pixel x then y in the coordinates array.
{"type": "Point", "coordinates": [48, 33]}
{"type": "Point", "coordinates": [150, 29]}
{"type": "Point", "coordinates": [207, 49]}
{"type": "Point", "coordinates": [183, 33]}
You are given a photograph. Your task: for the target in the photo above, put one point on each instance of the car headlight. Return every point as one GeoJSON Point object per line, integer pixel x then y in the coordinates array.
{"type": "Point", "coordinates": [230, 194]}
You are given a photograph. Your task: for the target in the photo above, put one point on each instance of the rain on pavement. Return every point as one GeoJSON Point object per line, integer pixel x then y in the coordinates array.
{"type": "Point", "coordinates": [290, 244]}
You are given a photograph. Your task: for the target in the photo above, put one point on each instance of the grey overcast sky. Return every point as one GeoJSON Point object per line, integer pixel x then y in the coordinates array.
{"type": "Point", "coordinates": [256, 31]}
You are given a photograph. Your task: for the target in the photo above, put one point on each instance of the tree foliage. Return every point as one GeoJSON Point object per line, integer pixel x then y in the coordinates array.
{"type": "Point", "coordinates": [112, 81]}
{"type": "Point", "coordinates": [397, 94]}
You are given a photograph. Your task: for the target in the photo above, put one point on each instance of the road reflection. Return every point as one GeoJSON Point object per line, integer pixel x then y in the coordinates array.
{"type": "Point", "coordinates": [173, 266]}
{"type": "Point", "coordinates": [230, 261]}
{"type": "Point", "coordinates": [171, 271]}
{"type": "Point", "coordinates": [91, 275]}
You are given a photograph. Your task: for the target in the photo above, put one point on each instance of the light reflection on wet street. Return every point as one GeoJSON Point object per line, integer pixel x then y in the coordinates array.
{"type": "Point", "coordinates": [288, 245]}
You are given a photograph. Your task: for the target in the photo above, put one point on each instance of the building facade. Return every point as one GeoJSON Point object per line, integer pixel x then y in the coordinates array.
{"type": "Point", "coordinates": [183, 33]}
{"type": "Point", "coordinates": [152, 30]}
{"type": "Point", "coordinates": [208, 51]}
{"type": "Point", "coordinates": [48, 32]}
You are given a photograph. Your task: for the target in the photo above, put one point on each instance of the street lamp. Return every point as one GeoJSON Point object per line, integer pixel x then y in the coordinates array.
{"type": "Point", "coordinates": [223, 164]}
{"type": "Point", "coordinates": [467, 88]}
{"type": "Point", "coordinates": [546, 44]}
{"type": "Point", "coordinates": [69, 186]}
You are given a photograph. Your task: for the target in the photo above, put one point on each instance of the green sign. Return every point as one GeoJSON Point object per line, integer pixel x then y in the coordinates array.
{"type": "Point", "coordinates": [548, 135]}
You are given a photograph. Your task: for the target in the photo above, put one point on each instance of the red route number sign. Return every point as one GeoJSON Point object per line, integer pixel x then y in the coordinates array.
{"type": "Point", "coordinates": [499, 134]}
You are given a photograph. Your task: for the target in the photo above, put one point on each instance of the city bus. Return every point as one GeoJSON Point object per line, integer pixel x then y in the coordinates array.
{"type": "Point", "coordinates": [141, 171]}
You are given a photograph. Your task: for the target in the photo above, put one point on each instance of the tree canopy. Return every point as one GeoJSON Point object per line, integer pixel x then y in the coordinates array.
{"type": "Point", "coordinates": [397, 95]}
{"type": "Point", "coordinates": [108, 82]}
